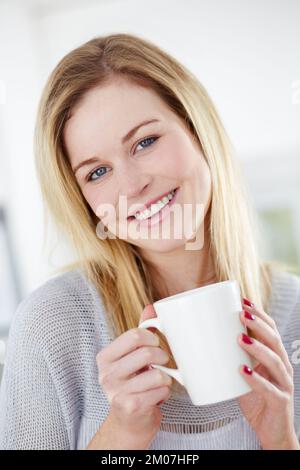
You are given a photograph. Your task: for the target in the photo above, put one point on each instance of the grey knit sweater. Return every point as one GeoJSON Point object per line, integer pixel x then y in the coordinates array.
{"type": "Point", "coordinates": [50, 397]}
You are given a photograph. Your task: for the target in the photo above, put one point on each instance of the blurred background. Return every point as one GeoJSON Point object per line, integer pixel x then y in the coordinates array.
{"type": "Point", "coordinates": [245, 53]}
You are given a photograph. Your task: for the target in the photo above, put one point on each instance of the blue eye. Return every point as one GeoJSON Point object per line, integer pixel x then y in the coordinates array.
{"type": "Point", "coordinates": [98, 170]}
{"type": "Point", "coordinates": [89, 176]}
{"type": "Point", "coordinates": [147, 140]}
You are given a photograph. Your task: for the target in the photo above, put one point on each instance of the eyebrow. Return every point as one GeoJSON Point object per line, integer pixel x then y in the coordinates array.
{"type": "Point", "coordinates": [126, 137]}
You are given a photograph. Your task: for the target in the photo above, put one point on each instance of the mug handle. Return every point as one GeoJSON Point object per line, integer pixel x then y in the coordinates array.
{"type": "Point", "coordinates": [172, 372]}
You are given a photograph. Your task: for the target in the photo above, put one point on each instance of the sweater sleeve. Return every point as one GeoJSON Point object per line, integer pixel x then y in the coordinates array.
{"type": "Point", "coordinates": [293, 348]}
{"type": "Point", "coordinates": [30, 413]}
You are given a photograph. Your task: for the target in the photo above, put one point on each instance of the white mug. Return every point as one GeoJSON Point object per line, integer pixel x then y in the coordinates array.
{"type": "Point", "coordinates": [201, 326]}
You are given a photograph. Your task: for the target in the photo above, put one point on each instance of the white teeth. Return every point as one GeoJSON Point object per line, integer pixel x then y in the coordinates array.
{"type": "Point", "coordinates": [154, 208]}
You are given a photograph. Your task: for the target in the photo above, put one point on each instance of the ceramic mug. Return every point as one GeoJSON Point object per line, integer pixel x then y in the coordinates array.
{"type": "Point", "coordinates": [201, 326]}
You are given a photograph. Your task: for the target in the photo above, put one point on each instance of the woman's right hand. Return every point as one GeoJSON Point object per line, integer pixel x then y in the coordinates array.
{"type": "Point", "coordinates": [135, 390]}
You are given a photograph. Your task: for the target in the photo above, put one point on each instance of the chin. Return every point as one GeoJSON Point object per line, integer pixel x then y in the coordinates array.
{"type": "Point", "coordinates": [160, 245]}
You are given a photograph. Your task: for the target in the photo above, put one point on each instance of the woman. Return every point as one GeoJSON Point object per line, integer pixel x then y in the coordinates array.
{"type": "Point", "coordinates": [121, 119]}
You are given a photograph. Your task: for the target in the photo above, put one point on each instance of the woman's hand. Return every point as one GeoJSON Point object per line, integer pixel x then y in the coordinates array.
{"type": "Point", "coordinates": [269, 408]}
{"type": "Point", "coordinates": [134, 389]}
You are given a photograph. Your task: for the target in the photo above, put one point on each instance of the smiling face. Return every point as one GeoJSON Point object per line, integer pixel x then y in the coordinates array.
{"type": "Point", "coordinates": [157, 158]}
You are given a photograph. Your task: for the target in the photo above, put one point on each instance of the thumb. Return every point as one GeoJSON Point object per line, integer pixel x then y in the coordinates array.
{"type": "Point", "coordinates": [148, 312]}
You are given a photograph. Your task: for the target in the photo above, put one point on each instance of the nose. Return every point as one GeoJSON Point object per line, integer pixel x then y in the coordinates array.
{"type": "Point", "coordinates": [132, 183]}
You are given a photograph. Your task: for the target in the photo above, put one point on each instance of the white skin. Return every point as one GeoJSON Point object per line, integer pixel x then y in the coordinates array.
{"type": "Point", "coordinates": [142, 170]}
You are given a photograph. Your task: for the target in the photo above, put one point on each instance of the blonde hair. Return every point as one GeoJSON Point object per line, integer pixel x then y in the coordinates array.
{"type": "Point", "coordinates": [115, 266]}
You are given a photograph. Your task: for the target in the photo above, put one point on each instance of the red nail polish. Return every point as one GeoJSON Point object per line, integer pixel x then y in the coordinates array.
{"type": "Point", "coordinates": [247, 302]}
{"type": "Point", "coordinates": [249, 315]}
{"type": "Point", "coordinates": [152, 329]}
{"type": "Point", "coordinates": [247, 370]}
{"type": "Point", "coordinates": [247, 339]}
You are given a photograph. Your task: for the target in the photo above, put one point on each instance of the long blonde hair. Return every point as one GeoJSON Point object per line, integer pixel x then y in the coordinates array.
{"type": "Point", "coordinates": [115, 266]}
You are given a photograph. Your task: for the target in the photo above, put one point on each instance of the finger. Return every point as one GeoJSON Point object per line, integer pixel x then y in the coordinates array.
{"type": "Point", "coordinates": [143, 400]}
{"type": "Point", "coordinates": [133, 362]}
{"type": "Point", "coordinates": [149, 312]}
{"type": "Point", "coordinates": [148, 380]}
{"type": "Point", "coordinates": [272, 395]}
{"type": "Point", "coordinates": [259, 313]}
{"type": "Point", "coordinates": [127, 342]}
{"type": "Point", "coordinates": [267, 335]}
{"type": "Point", "coordinates": [269, 359]}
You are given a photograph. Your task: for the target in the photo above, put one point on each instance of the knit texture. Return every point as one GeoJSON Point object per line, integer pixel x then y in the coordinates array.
{"type": "Point", "coordinates": [50, 397]}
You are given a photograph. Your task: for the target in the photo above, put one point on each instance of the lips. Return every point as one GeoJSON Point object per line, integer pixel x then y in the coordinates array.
{"type": "Point", "coordinates": [143, 207]}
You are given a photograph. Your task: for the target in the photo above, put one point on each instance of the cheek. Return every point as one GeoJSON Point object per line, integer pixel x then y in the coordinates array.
{"type": "Point", "coordinates": [96, 197]}
{"type": "Point", "coordinates": [176, 160]}
{"type": "Point", "coordinates": [90, 195]}
{"type": "Point", "coordinates": [186, 162]}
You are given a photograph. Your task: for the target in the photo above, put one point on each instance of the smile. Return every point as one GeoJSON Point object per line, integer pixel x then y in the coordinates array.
{"type": "Point", "coordinates": [157, 211]}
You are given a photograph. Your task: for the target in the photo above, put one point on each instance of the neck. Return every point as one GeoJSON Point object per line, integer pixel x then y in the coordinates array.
{"type": "Point", "coordinates": [181, 270]}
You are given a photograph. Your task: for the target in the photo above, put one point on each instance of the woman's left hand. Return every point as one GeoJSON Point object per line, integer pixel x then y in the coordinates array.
{"type": "Point", "coordinates": [269, 407]}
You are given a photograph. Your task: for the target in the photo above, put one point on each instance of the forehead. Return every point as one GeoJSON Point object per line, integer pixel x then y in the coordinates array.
{"type": "Point", "coordinates": [107, 112]}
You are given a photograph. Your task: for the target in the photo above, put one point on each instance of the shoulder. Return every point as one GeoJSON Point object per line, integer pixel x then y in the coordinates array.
{"type": "Point", "coordinates": [54, 337]}
{"type": "Point", "coordinates": [284, 297]}
{"type": "Point", "coordinates": [59, 308]}
{"type": "Point", "coordinates": [285, 285]}
{"type": "Point", "coordinates": [284, 307]}
{"type": "Point", "coordinates": [284, 303]}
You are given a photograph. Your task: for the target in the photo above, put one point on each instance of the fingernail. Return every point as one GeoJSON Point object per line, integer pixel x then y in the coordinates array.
{"type": "Point", "coordinates": [152, 329]}
{"type": "Point", "coordinates": [247, 339]}
{"type": "Point", "coordinates": [249, 315]}
{"type": "Point", "coordinates": [247, 370]}
{"type": "Point", "coordinates": [247, 302]}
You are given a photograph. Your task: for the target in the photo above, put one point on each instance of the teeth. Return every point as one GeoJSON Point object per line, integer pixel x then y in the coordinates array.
{"type": "Point", "coordinates": [154, 208]}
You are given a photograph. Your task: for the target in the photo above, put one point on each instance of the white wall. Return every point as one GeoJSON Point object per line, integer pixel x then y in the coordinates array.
{"type": "Point", "coordinates": [19, 72]}
{"type": "Point", "coordinates": [246, 53]}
